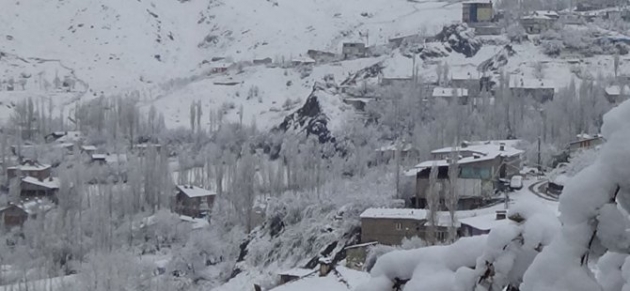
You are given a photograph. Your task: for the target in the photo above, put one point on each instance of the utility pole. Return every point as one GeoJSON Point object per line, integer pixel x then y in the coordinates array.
{"type": "Point", "coordinates": [539, 162]}
{"type": "Point", "coordinates": [397, 153]}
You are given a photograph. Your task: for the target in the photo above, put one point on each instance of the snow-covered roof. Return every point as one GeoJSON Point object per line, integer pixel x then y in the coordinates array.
{"type": "Point", "coordinates": [530, 83]}
{"type": "Point", "coordinates": [344, 280]}
{"type": "Point", "coordinates": [449, 92]}
{"type": "Point", "coordinates": [405, 213]}
{"type": "Point", "coordinates": [542, 15]}
{"type": "Point", "coordinates": [194, 191]}
{"type": "Point", "coordinates": [484, 222]}
{"type": "Point", "coordinates": [395, 213]}
{"type": "Point", "coordinates": [367, 244]}
{"type": "Point", "coordinates": [88, 148]}
{"type": "Point", "coordinates": [297, 272]}
{"type": "Point", "coordinates": [69, 136]}
{"type": "Point", "coordinates": [463, 74]}
{"type": "Point", "coordinates": [617, 90]}
{"type": "Point", "coordinates": [477, 2]}
{"type": "Point", "coordinates": [489, 148]}
{"type": "Point", "coordinates": [99, 157]}
{"type": "Point", "coordinates": [34, 206]}
{"type": "Point", "coordinates": [50, 183]}
{"type": "Point", "coordinates": [393, 146]}
{"type": "Point", "coordinates": [303, 60]}
{"type": "Point", "coordinates": [30, 166]}
{"type": "Point", "coordinates": [482, 151]}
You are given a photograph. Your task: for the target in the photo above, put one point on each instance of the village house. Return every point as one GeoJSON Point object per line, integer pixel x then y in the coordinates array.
{"type": "Point", "coordinates": [389, 226]}
{"type": "Point", "coordinates": [616, 94]}
{"type": "Point", "coordinates": [351, 50]}
{"type": "Point", "coordinates": [295, 274]}
{"type": "Point", "coordinates": [470, 80]}
{"type": "Point", "coordinates": [193, 201]}
{"type": "Point", "coordinates": [64, 137]}
{"type": "Point", "coordinates": [219, 67]}
{"type": "Point", "coordinates": [29, 168]}
{"type": "Point", "coordinates": [387, 152]}
{"type": "Point", "coordinates": [481, 167]}
{"type": "Point", "coordinates": [321, 56]}
{"type": "Point", "coordinates": [302, 61]}
{"type": "Point", "coordinates": [14, 215]}
{"type": "Point", "coordinates": [482, 224]}
{"type": "Point", "coordinates": [477, 11]}
{"type": "Point", "coordinates": [585, 142]}
{"type": "Point", "coordinates": [411, 38]}
{"type": "Point", "coordinates": [539, 21]}
{"type": "Point", "coordinates": [537, 89]}
{"type": "Point", "coordinates": [451, 95]}
{"type": "Point", "coordinates": [32, 188]}
{"type": "Point", "coordinates": [88, 149]}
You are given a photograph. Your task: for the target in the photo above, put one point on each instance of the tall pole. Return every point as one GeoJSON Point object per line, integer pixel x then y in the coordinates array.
{"type": "Point", "coordinates": [539, 162]}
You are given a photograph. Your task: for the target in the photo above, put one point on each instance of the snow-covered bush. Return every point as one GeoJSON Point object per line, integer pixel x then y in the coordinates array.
{"type": "Point", "coordinates": [593, 211]}
{"type": "Point", "coordinates": [490, 262]}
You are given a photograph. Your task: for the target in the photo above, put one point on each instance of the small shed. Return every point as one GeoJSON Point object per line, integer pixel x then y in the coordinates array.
{"type": "Point", "coordinates": [13, 216]}
{"type": "Point", "coordinates": [302, 61]}
{"type": "Point", "coordinates": [616, 94]}
{"type": "Point", "coordinates": [294, 274]}
{"type": "Point", "coordinates": [193, 201]}
{"type": "Point", "coordinates": [356, 255]}
{"type": "Point", "coordinates": [483, 224]}
{"type": "Point", "coordinates": [353, 50]}
{"type": "Point", "coordinates": [477, 11]}
{"type": "Point", "coordinates": [451, 94]}
{"type": "Point", "coordinates": [539, 21]}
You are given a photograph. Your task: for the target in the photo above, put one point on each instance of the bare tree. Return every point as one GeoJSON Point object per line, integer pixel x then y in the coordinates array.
{"type": "Point", "coordinates": [433, 201]}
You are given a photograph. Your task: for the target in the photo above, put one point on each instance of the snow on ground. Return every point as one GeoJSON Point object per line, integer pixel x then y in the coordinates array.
{"type": "Point", "coordinates": [340, 280]}
{"type": "Point", "coordinates": [52, 284]}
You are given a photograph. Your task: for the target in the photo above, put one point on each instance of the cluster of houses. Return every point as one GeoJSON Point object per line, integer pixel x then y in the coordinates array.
{"type": "Point", "coordinates": [38, 187]}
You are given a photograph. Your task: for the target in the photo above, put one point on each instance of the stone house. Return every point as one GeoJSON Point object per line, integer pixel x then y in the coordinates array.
{"type": "Point", "coordinates": [389, 226]}
{"type": "Point", "coordinates": [539, 21]}
{"type": "Point", "coordinates": [193, 201]}
{"type": "Point", "coordinates": [538, 89]}
{"type": "Point", "coordinates": [352, 50]}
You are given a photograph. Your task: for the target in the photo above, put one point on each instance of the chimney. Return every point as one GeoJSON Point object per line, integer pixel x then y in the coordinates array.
{"type": "Point", "coordinates": [502, 146]}
{"type": "Point", "coordinates": [501, 214]}
{"type": "Point", "coordinates": [325, 266]}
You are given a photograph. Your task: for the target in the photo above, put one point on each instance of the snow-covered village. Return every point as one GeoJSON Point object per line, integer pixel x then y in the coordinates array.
{"type": "Point", "coordinates": [298, 145]}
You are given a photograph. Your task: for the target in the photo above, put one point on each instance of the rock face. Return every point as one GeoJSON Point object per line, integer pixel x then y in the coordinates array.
{"type": "Point", "coordinates": [311, 118]}
{"type": "Point", "coordinates": [460, 39]}
{"type": "Point", "coordinates": [498, 60]}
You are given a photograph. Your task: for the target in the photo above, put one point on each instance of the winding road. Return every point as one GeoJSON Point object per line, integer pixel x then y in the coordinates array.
{"type": "Point", "coordinates": [536, 190]}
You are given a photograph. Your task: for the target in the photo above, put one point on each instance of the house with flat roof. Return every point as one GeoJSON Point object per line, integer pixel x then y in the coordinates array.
{"type": "Point", "coordinates": [481, 165]}
{"type": "Point", "coordinates": [477, 11]}
{"type": "Point", "coordinates": [193, 201]}
{"type": "Point", "coordinates": [389, 226]}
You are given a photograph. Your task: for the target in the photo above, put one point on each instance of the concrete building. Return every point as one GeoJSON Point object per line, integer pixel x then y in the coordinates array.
{"type": "Point", "coordinates": [389, 226]}
{"type": "Point", "coordinates": [477, 11]}
{"type": "Point", "coordinates": [352, 50]}
{"type": "Point", "coordinates": [193, 201]}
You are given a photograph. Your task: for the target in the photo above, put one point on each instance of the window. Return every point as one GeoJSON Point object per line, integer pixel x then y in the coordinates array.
{"type": "Point", "coordinates": [441, 236]}
{"type": "Point", "coordinates": [398, 226]}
